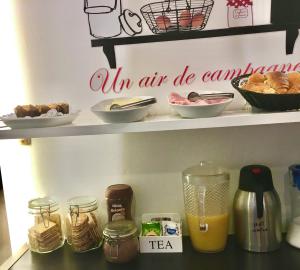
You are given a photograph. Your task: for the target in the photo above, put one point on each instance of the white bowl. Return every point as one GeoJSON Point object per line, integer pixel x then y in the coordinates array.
{"type": "Point", "coordinates": [120, 116]}
{"type": "Point", "coordinates": [201, 111]}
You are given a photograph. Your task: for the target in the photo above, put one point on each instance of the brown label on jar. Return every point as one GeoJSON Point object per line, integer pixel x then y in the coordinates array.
{"type": "Point", "coordinates": [118, 212]}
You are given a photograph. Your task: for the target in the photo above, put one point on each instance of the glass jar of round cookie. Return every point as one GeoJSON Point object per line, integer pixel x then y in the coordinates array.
{"type": "Point", "coordinates": [83, 228]}
{"type": "Point", "coordinates": [45, 231]}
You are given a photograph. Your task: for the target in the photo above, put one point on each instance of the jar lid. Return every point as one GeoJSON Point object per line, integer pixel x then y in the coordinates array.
{"type": "Point", "coordinates": [118, 191]}
{"type": "Point", "coordinates": [42, 204]}
{"type": "Point", "coordinates": [83, 203]}
{"type": "Point", "coordinates": [119, 229]}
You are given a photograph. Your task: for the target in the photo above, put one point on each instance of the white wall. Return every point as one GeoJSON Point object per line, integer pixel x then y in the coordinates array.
{"type": "Point", "coordinates": [152, 163]}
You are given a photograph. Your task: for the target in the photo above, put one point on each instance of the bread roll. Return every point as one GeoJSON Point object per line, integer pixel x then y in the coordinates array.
{"type": "Point", "coordinates": [278, 81]}
{"type": "Point", "coordinates": [259, 87]}
{"type": "Point", "coordinates": [294, 77]}
{"type": "Point", "coordinates": [257, 78]}
{"type": "Point", "coordinates": [294, 90]}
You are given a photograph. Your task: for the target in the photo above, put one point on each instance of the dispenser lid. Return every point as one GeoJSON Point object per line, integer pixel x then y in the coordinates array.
{"type": "Point", "coordinates": [254, 177]}
{"type": "Point", "coordinates": [204, 173]}
{"type": "Point", "coordinates": [204, 168]}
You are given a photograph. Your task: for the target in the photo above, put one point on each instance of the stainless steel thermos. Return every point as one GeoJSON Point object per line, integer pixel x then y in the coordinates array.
{"type": "Point", "coordinates": [257, 210]}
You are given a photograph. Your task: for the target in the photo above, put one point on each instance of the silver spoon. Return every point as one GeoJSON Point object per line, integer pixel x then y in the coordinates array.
{"type": "Point", "coordinates": [193, 96]}
{"type": "Point", "coordinates": [143, 102]}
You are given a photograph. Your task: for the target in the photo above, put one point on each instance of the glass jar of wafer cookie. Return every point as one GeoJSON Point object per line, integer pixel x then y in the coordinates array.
{"type": "Point", "coordinates": [45, 233]}
{"type": "Point", "coordinates": [83, 228]}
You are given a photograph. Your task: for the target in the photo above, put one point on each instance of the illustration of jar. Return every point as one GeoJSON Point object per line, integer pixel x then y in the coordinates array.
{"type": "Point", "coordinates": [103, 16]}
{"type": "Point", "coordinates": [239, 13]}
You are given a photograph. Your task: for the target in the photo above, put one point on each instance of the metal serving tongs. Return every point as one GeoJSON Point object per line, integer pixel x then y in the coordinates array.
{"type": "Point", "coordinates": [140, 103]}
{"type": "Point", "coordinates": [193, 96]}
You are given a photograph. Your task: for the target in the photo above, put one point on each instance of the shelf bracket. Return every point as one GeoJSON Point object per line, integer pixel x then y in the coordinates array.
{"type": "Point", "coordinates": [109, 51]}
{"type": "Point", "coordinates": [291, 37]}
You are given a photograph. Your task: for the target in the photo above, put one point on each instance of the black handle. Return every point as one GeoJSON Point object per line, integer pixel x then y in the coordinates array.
{"type": "Point", "coordinates": [259, 194]}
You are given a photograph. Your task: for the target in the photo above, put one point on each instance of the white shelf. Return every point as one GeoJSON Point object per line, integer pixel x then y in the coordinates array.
{"type": "Point", "coordinates": [88, 124]}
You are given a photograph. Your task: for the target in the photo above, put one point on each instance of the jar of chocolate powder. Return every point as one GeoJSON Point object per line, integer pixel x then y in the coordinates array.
{"type": "Point", "coordinates": [119, 202]}
{"type": "Point", "coordinates": [120, 241]}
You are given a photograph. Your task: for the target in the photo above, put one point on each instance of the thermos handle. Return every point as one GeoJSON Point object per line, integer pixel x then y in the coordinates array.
{"type": "Point", "coordinates": [259, 194]}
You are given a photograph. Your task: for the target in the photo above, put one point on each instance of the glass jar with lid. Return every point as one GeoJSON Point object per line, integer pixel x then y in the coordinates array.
{"type": "Point", "coordinates": [83, 224]}
{"type": "Point", "coordinates": [45, 233]}
{"type": "Point", "coordinates": [120, 241]}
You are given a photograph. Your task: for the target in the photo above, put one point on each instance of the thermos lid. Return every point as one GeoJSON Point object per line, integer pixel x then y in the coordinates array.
{"type": "Point", "coordinates": [257, 179]}
{"type": "Point", "coordinates": [254, 177]}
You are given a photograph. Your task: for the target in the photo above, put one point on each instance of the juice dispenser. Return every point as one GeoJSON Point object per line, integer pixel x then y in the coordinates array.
{"type": "Point", "coordinates": [206, 188]}
{"type": "Point", "coordinates": [293, 234]}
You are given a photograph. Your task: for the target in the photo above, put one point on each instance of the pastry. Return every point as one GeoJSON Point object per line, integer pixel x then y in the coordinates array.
{"type": "Point", "coordinates": [293, 77]}
{"type": "Point", "coordinates": [42, 109]}
{"type": "Point", "coordinates": [294, 90]}
{"type": "Point", "coordinates": [259, 87]}
{"type": "Point", "coordinates": [60, 107]}
{"type": "Point", "coordinates": [278, 81]}
{"type": "Point", "coordinates": [256, 78]}
{"type": "Point", "coordinates": [37, 110]}
{"type": "Point", "coordinates": [273, 83]}
{"type": "Point", "coordinates": [26, 110]}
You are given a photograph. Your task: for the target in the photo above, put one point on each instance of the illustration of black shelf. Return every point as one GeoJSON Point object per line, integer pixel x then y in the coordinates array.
{"type": "Point", "coordinates": [109, 44]}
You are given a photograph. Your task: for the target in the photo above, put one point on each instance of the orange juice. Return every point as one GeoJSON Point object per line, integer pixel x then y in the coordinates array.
{"type": "Point", "coordinates": [214, 239]}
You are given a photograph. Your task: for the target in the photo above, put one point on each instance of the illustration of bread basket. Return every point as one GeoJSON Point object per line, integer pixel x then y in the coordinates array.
{"type": "Point", "coordinates": [177, 15]}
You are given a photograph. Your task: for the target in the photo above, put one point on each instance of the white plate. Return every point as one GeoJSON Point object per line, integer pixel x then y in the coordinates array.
{"type": "Point", "coordinates": [120, 116]}
{"type": "Point", "coordinates": [38, 122]}
{"type": "Point", "coordinates": [201, 111]}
